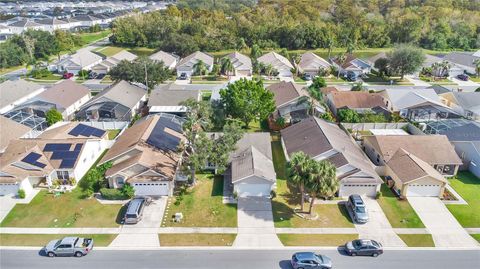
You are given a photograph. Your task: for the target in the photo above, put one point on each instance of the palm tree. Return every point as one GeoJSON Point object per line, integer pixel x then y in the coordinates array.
{"type": "Point", "coordinates": [308, 102]}
{"type": "Point", "coordinates": [227, 66]}
{"type": "Point", "coordinates": [296, 60]}
{"type": "Point", "coordinates": [445, 68]}
{"type": "Point", "coordinates": [341, 60]}
{"type": "Point", "coordinates": [477, 67]}
{"type": "Point", "coordinates": [322, 181]}
{"type": "Point", "coordinates": [268, 69]}
{"type": "Point", "coordinates": [297, 173]}
{"type": "Point", "coordinates": [200, 68]}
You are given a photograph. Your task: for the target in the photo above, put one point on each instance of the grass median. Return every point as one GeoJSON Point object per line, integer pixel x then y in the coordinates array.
{"type": "Point", "coordinates": [38, 240]}
{"type": "Point", "coordinates": [314, 240]}
{"type": "Point", "coordinates": [417, 240]}
{"type": "Point", "coordinates": [201, 240]}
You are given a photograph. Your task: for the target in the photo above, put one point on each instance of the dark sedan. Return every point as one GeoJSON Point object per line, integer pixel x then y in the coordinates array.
{"type": "Point", "coordinates": [364, 247]}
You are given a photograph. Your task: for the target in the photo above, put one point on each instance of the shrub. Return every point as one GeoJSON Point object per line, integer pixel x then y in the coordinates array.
{"type": "Point", "coordinates": [128, 190]}
{"type": "Point", "coordinates": [21, 193]}
{"type": "Point", "coordinates": [113, 194]}
{"type": "Point", "coordinates": [379, 195]}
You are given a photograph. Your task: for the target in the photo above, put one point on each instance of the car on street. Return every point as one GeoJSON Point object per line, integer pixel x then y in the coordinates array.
{"type": "Point", "coordinates": [462, 77]}
{"type": "Point", "coordinates": [304, 260]}
{"type": "Point", "coordinates": [358, 209]}
{"type": "Point", "coordinates": [67, 75]}
{"type": "Point", "coordinates": [69, 246]}
{"type": "Point", "coordinates": [134, 212]}
{"type": "Point", "coordinates": [364, 247]}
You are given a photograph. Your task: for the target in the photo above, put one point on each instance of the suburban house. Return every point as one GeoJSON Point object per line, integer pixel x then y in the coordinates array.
{"type": "Point", "coordinates": [436, 150]}
{"type": "Point", "coordinates": [417, 104]}
{"type": "Point", "coordinates": [352, 64]}
{"type": "Point", "coordinates": [464, 135]}
{"type": "Point", "coordinates": [322, 140]}
{"type": "Point", "coordinates": [16, 92]}
{"type": "Point", "coordinates": [411, 176]}
{"type": "Point", "coordinates": [361, 102]}
{"type": "Point", "coordinates": [83, 59]}
{"type": "Point", "coordinates": [86, 21]}
{"type": "Point", "coordinates": [26, 163]}
{"type": "Point", "coordinates": [464, 60]}
{"type": "Point", "coordinates": [279, 63]}
{"type": "Point", "coordinates": [187, 65]}
{"type": "Point", "coordinates": [52, 24]}
{"type": "Point", "coordinates": [453, 71]}
{"type": "Point", "coordinates": [146, 156]}
{"type": "Point", "coordinates": [466, 104]}
{"type": "Point", "coordinates": [312, 64]}
{"type": "Point", "coordinates": [327, 90]}
{"type": "Point", "coordinates": [107, 64]}
{"type": "Point", "coordinates": [11, 130]}
{"type": "Point", "coordinates": [291, 101]}
{"type": "Point", "coordinates": [252, 170]}
{"type": "Point", "coordinates": [5, 33]}
{"type": "Point", "coordinates": [168, 59]}
{"type": "Point", "coordinates": [242, 64]}
{"type": "Point", "coordinates": [23, 25]}
{"type": "Point", "coordinates": [167, 99]}
{"type": "Point", "coordinates": [67, 97]}
{"type": "Point", "coordinates": [119, 102]}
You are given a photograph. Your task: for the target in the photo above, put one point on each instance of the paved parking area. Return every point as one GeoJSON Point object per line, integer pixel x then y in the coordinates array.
{"type": "Point", "coordinates": [445, 229]}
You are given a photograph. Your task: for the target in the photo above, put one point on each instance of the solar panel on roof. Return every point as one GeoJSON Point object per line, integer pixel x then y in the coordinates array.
{"type": "Point", "coordinates": [77, 130]}
{"type": "Point", "coordinates": [32, 158]}
{"type": "Point", "coordinates": [78, 147]}
{"type": "Point", "coordinates": [61, 154]}
{"type": "Point", "coordinates": [67, 163]}
{"type": "Point", "coordinates": [56, 146]}
{"type": "Point", "coordinates": [98, 133]}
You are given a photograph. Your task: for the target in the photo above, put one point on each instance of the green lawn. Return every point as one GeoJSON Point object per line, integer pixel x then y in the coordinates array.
{"type": "Point", "coordinates": [202, 206]}
{"type": "Point", "coordinates": [49, 77]}
{"type": "Point", "coordinates": [141, 51]}
{"type": "Point", "coordinates": [180, 240]}
{"type": "Point", "coordinates": [37, 240]}
{"type": "Point", "coordinates": [374, 79]}
{"type": "Point", "coordinates": [113, 133]}
{"type": "Point", "coordinates": [288, 198]}
{"type": "Point", "coordinates": [468, 186]}
{"type": "Point", "coordinates": [88, 38]}
{"type": "Point", "coordinates": [67, 210]}
{"type": "Point", "coordinates": [476, 237]}
{"type": "Point", "coordinates": [417, 240]}
{"type": "Point", "coordinates": [304, 240]}
{"type": "Point", "coordinates": [257, 126]}
{"type": "Point", "coordinates": [110, 50]}
{"type": "Point", "coordinates": [475, 79]}
{"type": "Point", "coordinates": [399, 212]}
{"type": "Point", "coordinates": [10, 69]}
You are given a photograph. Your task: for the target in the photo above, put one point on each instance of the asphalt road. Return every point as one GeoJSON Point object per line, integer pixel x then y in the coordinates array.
{"type": "Point", "coordinates": [238, 259]}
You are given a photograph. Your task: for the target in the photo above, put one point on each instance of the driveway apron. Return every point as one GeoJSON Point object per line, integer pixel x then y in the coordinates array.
{"type": "Point", "coordinates": [445, 229]}
{"type": "Point", "coordinates": [255, 223]}
{"type": "Point", "coordinates": [140, 234]}
{"type": "Point", "coordinates": [378, 227]}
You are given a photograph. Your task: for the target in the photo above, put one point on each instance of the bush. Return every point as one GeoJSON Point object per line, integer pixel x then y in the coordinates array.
{"type": "Point", "coordinates": [21, 193]}
{"type": "Point", "coordinates": [379, 195]}
{"type": "Point", "coordinates": [128, 190]}
{"type": "Point", "coordinates": [113, 194]}
{"type": "Point", "coordinates": [39, 73]}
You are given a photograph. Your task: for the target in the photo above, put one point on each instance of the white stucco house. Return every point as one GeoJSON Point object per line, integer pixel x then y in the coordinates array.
{"type": "Point", "coordinates": [83, 59]}
{"type": "Point", "coordinates": [187, 65]}
{"type": "Point", "coordinates": [16, 92]}
{"type": "Point", "coordinates": [281, 64]}
{"type": "Point", "coordinates": [169, 60]}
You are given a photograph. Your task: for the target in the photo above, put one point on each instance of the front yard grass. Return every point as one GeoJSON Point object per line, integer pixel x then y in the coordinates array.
{"type": "Point", "coordinates": [202, 205]}
{"type": "Point", "coordinates": [304, 240]}
{"type": "Point", "coordinates": [468, 186]}
{"type": "Point", "coordinates": [417, 240]}
{"type": "Point", "coordinates": [287, 199]}
{"type": "Point", "coordinates": [88, 38]}
{"type": "Point", "coordinates": [36, 240]}
{"type": "Point", "coordinates": [67, 210]}
{"type": "Point", "coordinates": [476, 237]}
{"type": "Point", "coordinates": [399, 213]}
{"type": "Point", "coordinates": [204, 240]}
{"type": "Point", "coordinates": [110, 50]}
{"type": "Point", "coordinates": [113, 133]}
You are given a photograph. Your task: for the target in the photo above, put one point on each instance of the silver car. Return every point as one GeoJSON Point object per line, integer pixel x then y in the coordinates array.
{"type": "Point", "coordinates": [359, 211]}
{"type": "Point", "coordinates": [304, 260]}
{"type": "Point", "coordinates": [69, 246]}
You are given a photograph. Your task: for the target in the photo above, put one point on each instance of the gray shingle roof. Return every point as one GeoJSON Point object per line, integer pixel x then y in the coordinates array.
{"type": "Point", "coordinates": [11, 91]}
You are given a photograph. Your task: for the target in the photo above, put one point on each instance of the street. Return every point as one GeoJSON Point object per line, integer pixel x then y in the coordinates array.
{"type": "Point", "coordinates": [233, 259]}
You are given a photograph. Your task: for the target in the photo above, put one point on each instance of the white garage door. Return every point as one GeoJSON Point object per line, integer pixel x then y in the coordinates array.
{"type": "Point", "coordinates": [423, 190]}
{"type": "Point", "coordinates": [151, 189]}
{"type": "Point", "coordinates": [360, 189]}
{"type": "Point", "coordinates": [8, 189]}
{"type": "Point", "coordinates": [245, 190]}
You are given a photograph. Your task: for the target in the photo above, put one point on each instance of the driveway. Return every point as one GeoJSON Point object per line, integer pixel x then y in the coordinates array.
{"type": "Point", "coordinates": [445, 229]}
{"type": "Point", "coordinates": [255, 223]}
{"type": "Point", "coordinates": [417, 82]}
{"type": "Point", "coordinates": [7, 202]}
{"type": "Point", "coordinates": [463, 83]}
{"type": "Point", "coordinates": [378, 227]}
{"type": "Point", "coordinates": [142, 234]}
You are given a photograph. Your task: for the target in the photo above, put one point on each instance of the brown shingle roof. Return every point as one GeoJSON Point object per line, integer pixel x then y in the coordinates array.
{"type": "Point", "coordinates": [327, 90]}
{"type": "Point", "coordinates": [433, 149]}
{"type": "Point", "coordinates": [9, 130]}
{"type": "Point", "coordinates": [352, 99]}
{"type": "Point", "coordinates": [305, 136]}
{"type": "Point", "coordinates": [285, 92]}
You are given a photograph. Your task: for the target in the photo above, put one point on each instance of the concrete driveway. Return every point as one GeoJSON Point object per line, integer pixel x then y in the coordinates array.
{"type": "Point", "coordinates": [378, 227]}
{"type": "Point", "coordinates": [463, 83]}
{"type": "Point", "coordinates": [445, 229]}
{"type": "Point", "coordinates": [140, 234]}
{"type": "Point", "coordinates": [255, 223]}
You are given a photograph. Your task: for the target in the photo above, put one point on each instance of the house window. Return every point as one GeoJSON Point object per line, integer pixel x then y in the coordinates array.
{"type": "Point", "coordinates": [120, 180]}
{"type": "Point", "coordinates": [63, 175]}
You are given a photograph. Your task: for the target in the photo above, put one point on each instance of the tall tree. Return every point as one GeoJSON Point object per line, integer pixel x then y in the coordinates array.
{"type": "Point", "coordinates": [322, 181]}
{"type": "Point", "coordinates": [225, 144]}
{"type": "Point", "coordinates": [53, 116]}
{"type": "Point", "coordinates": [298, 173]}
{"type": "Point", "coordinates": [477, 67]}
{"type": "Point", "coordinates": [227, 66]}
{"type": "Point", "coordinates": [200, 68]}
{"type": "Point", "coordinates": [247, 100]}
{"type": "Point", "coordinates": [405, 59]}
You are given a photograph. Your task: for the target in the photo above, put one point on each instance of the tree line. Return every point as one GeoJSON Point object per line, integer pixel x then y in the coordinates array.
{"type": "Point", "coordinates": [437, 25]}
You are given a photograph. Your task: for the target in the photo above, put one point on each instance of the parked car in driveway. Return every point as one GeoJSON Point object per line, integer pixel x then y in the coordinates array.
{"type": "Point", "coordinates": [67, 75]}
{"type": "Point", "coordinates": [69, 246]}
{"type": "Point", "coordinates": [183, 76]}
{"type": "Point", "coordinates": [135, 210]}
{"type": "Point", "coordinates": [357, 208]}
{"type": "Point", "coordinates": [304, 260]}
{"type": "Point", "coordinates": [92, 75]}
{"type": "Point", "coordinates": [462, 77]}
{"type": "Point", "coordinates": [351, 76]}
{"type": "Point", "coordinates": [364, 247]}
{"type": "Point", "coordinates": [307, 77]}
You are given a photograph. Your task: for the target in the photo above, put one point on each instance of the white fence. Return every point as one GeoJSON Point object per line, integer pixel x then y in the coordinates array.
{"type": "Point", "coordinates": [107, 125]}
{"type": "Point", "coordinates": [410, 128]}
